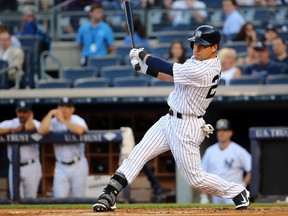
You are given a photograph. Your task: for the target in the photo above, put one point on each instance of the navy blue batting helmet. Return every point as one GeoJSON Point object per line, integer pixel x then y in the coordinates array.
{"type": "Point", "coordinates": [205, 35]}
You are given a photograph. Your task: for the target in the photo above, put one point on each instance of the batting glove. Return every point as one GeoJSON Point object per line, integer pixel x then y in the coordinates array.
{"type": "Point", "coordinates": [143, 67]}
{"type": "Point", "coordinates": [208, 129]}
{"type": "Point", "coordinates": [134, 53]}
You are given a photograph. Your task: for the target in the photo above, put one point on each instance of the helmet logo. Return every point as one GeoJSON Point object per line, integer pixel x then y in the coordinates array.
{"type": "Point", "coordinates": [198, 33]}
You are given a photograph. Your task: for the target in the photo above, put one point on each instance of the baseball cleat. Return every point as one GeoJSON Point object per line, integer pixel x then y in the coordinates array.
{"type": "Point", "coordinates": [242, 200]}
{"type": "Point", "coordinates": [99, 207]}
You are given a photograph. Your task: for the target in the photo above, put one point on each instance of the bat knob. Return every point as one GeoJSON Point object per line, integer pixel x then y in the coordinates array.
{"type": "Point", "coordinates": [137, 67]}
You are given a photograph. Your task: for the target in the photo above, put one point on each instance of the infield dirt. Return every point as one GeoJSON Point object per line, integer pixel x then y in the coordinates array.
{"type": "Point", "coordinates": [252, 211]}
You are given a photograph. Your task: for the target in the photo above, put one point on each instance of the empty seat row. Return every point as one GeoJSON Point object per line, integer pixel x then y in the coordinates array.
{"type": "Point", "coordinates": [96, 82]}
{"type": "Point", "coordinates": [255, 80]}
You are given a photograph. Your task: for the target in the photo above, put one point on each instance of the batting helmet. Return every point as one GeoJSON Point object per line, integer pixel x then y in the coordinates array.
{"type": "Point", "coordinates": [205, 35]}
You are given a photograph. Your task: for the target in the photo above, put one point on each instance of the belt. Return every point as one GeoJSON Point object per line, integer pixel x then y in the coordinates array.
{"type": "Point", "coordinates": [31, 161]}
{"type": "Point", "coordinates": [179, 115]}
{"type": "Point", "coordinates": [70, 162]}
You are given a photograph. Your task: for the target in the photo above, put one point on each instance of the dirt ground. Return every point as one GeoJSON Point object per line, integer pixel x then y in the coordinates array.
{"type": "Point", "coordinates": [267, 211]}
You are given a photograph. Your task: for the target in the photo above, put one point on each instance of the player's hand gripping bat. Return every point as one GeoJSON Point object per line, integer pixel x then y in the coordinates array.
{"type": "Point", "coordinates": [130, 25]}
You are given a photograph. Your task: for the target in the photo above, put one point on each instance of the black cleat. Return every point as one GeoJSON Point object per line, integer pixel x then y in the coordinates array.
{"type": "Point", "coordinates": [242, 200]}
{"type": "Point", "coordinates": [99, 207]}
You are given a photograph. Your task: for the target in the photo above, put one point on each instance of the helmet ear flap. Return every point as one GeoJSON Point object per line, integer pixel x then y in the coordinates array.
{"type": "Point", "coordinates": [192, 45]}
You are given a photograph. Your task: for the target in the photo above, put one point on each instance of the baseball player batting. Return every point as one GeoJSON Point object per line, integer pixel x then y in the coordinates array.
{"type": "Point", "coordinates": [182, 129]}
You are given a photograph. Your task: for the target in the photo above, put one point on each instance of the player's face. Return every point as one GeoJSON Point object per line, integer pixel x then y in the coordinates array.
{"type": "Point", "coordinates": [23, 115]}
{"type": "Point", "coordinates": [67, 111]}
{"type": "Point", "coordinates": [201, 52]}
{"type": "Point", "coordinates": [224, 135]}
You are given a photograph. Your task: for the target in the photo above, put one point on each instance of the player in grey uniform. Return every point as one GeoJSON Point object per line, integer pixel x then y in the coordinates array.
{"type": "Point", "coordinates": [71, 170]}
{"type": "Point", "coordinates": [30, 166]}
{"type": "Point", "coordinates": [181, 129]}
{"type": "Point", "coordinates": [226, 159]}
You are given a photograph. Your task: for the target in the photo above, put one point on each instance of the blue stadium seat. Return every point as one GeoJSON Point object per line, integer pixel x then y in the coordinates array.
{"type": "Point", "coordinates": [122, 51]}
{"type": "Point", "coordinates": [102, 61]}
{"type": "Point", "coordinates": [143, 76]}
{"type": "Point", "coordinates": [247, 80]}
{"type": "Point", "coordinates": [276, 79]}
{"type": "Point", "coordinates": [160, 50]}
{"type": "Point", "coordinates": [93, 82]}
{"type": "Point", "coordinates": [239, 47]}
{"type": "Point", "coordinates": [156, 82]}
{"type": "Point", "coordinates": [112, 72]}
{"type": "Point", "coordinates": [75, 73]}
{"type": "Point", "coordinates": [3, 74]}
{"type": "Point", "coordinates": [168, 37]}
{"type": "Point", "coordinates": [32, 42]}
{"type": "Point", "coordinates": [131, 81]}
{"type": "Point", "coordinates": [28, 77]}
{"type": "Point", "coordinates": [56, 83]}
{"type": "Point", "coordinates": [222, 82]}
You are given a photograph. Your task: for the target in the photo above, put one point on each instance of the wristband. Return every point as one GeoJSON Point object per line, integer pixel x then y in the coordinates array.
{"type": "Point", "coordinates": [151, 72]}
{"type": "Point", "coordinates": [142, 54]}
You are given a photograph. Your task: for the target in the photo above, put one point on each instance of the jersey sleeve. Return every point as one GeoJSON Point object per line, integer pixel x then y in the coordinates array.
{"type": "Point", "coordinates": [191, 72]}
{"type": "Point", "coordinates": [80, 121]}
{"type": "Point", "coordinates": [7, 124]}
{"type": "Point", "coordinates": [246, 161]}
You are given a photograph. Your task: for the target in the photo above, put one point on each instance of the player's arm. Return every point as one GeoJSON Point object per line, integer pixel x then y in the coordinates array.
{"type": "Point", "coordinates": [45, 123]}
{"type": "Point", "coordinates": [247, 178]}
{"type": "Point", "coordinates": [152, 65]}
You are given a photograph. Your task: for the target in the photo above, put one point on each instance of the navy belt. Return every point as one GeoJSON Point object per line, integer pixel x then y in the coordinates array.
{"type": "Point", "coordinates": [70, 162]}
{"type": "Point", "coordinates": [179, 115]}
{"type": "Point", "coordinates": [27, 163]}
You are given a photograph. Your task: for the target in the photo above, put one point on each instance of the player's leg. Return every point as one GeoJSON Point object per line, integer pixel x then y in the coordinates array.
{"type": "Point", "coordinates": [61, 184]}
{"type": "Point", "coordinates": [79, 175]}
{"type": "Point", "coordinates": [152, 144]}
{"type": "Point", "coordinates": [186, 151]}
{"type": "Point", "coordinates": [31, 176]}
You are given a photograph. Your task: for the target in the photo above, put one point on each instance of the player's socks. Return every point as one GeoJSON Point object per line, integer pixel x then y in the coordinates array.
{"type": "Point", "coordinates": [107, 200]}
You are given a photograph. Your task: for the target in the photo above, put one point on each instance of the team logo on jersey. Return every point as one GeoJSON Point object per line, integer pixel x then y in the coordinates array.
{"type": "Point", "coordinates": [198, 33]}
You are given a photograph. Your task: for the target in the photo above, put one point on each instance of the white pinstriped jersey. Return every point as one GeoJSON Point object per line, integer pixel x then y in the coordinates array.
{"type": "Point", "coordinates": [27, 151]}
{"type": "Point", "coordinates": [195, 83]}
{"type": "Point", "coordinates": [229, 163]}
{"type": "Point", "coordinates": [67, 152]}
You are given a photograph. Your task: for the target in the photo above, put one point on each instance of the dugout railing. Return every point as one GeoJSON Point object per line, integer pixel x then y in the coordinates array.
{"type": "Point", "coordinates": [96, 136]}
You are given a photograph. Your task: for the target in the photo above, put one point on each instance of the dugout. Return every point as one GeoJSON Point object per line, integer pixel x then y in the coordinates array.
{"type": "Point", "coordinates": [269, 147]}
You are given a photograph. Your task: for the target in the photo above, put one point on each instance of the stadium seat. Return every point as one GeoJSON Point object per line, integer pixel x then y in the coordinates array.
{"type": "Point", "coordinates": [93, 82]}
{"type": "Point", "coordinates": [239, 46]}
{"type": "Point", "coordinates": [75, 73]}
{"type": "Point", "coordinates": [156, 82]}
{"type": "Point", "coordinates": [56, 83]}
{"type": "Point", "coordinates": [32, 42]}
{"type": "Point", "coordinates": [102, 61]}
{"type": "Point", "coordinates": [112, 72]}
{"type": "Point", "coordinates": [171, 36]}
{"type": "Point", "coordinates": [131, 81]}
{"type": "Point", "coordinates": [122, 51]}
{"type": "Point", "coordinates": [3, 74]}
{"type": "Point", "coordinates": [222, 82]}
{"type": "Point", "coordinates": [28, 77]}
{"type": "Point", "coordinates": [160, 50]}
{"type": "Point", "coordinates": [247, 80]}
{"type": "Point", "coordinates": [277, 79]}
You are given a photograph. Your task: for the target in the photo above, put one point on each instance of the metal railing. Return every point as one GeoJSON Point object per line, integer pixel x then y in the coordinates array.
{"type": "Point", "coordinates": [55, 20]}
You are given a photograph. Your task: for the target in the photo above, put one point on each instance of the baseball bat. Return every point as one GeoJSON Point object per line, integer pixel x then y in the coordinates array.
{"type": "Point", "coordinates": [130, 24]}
